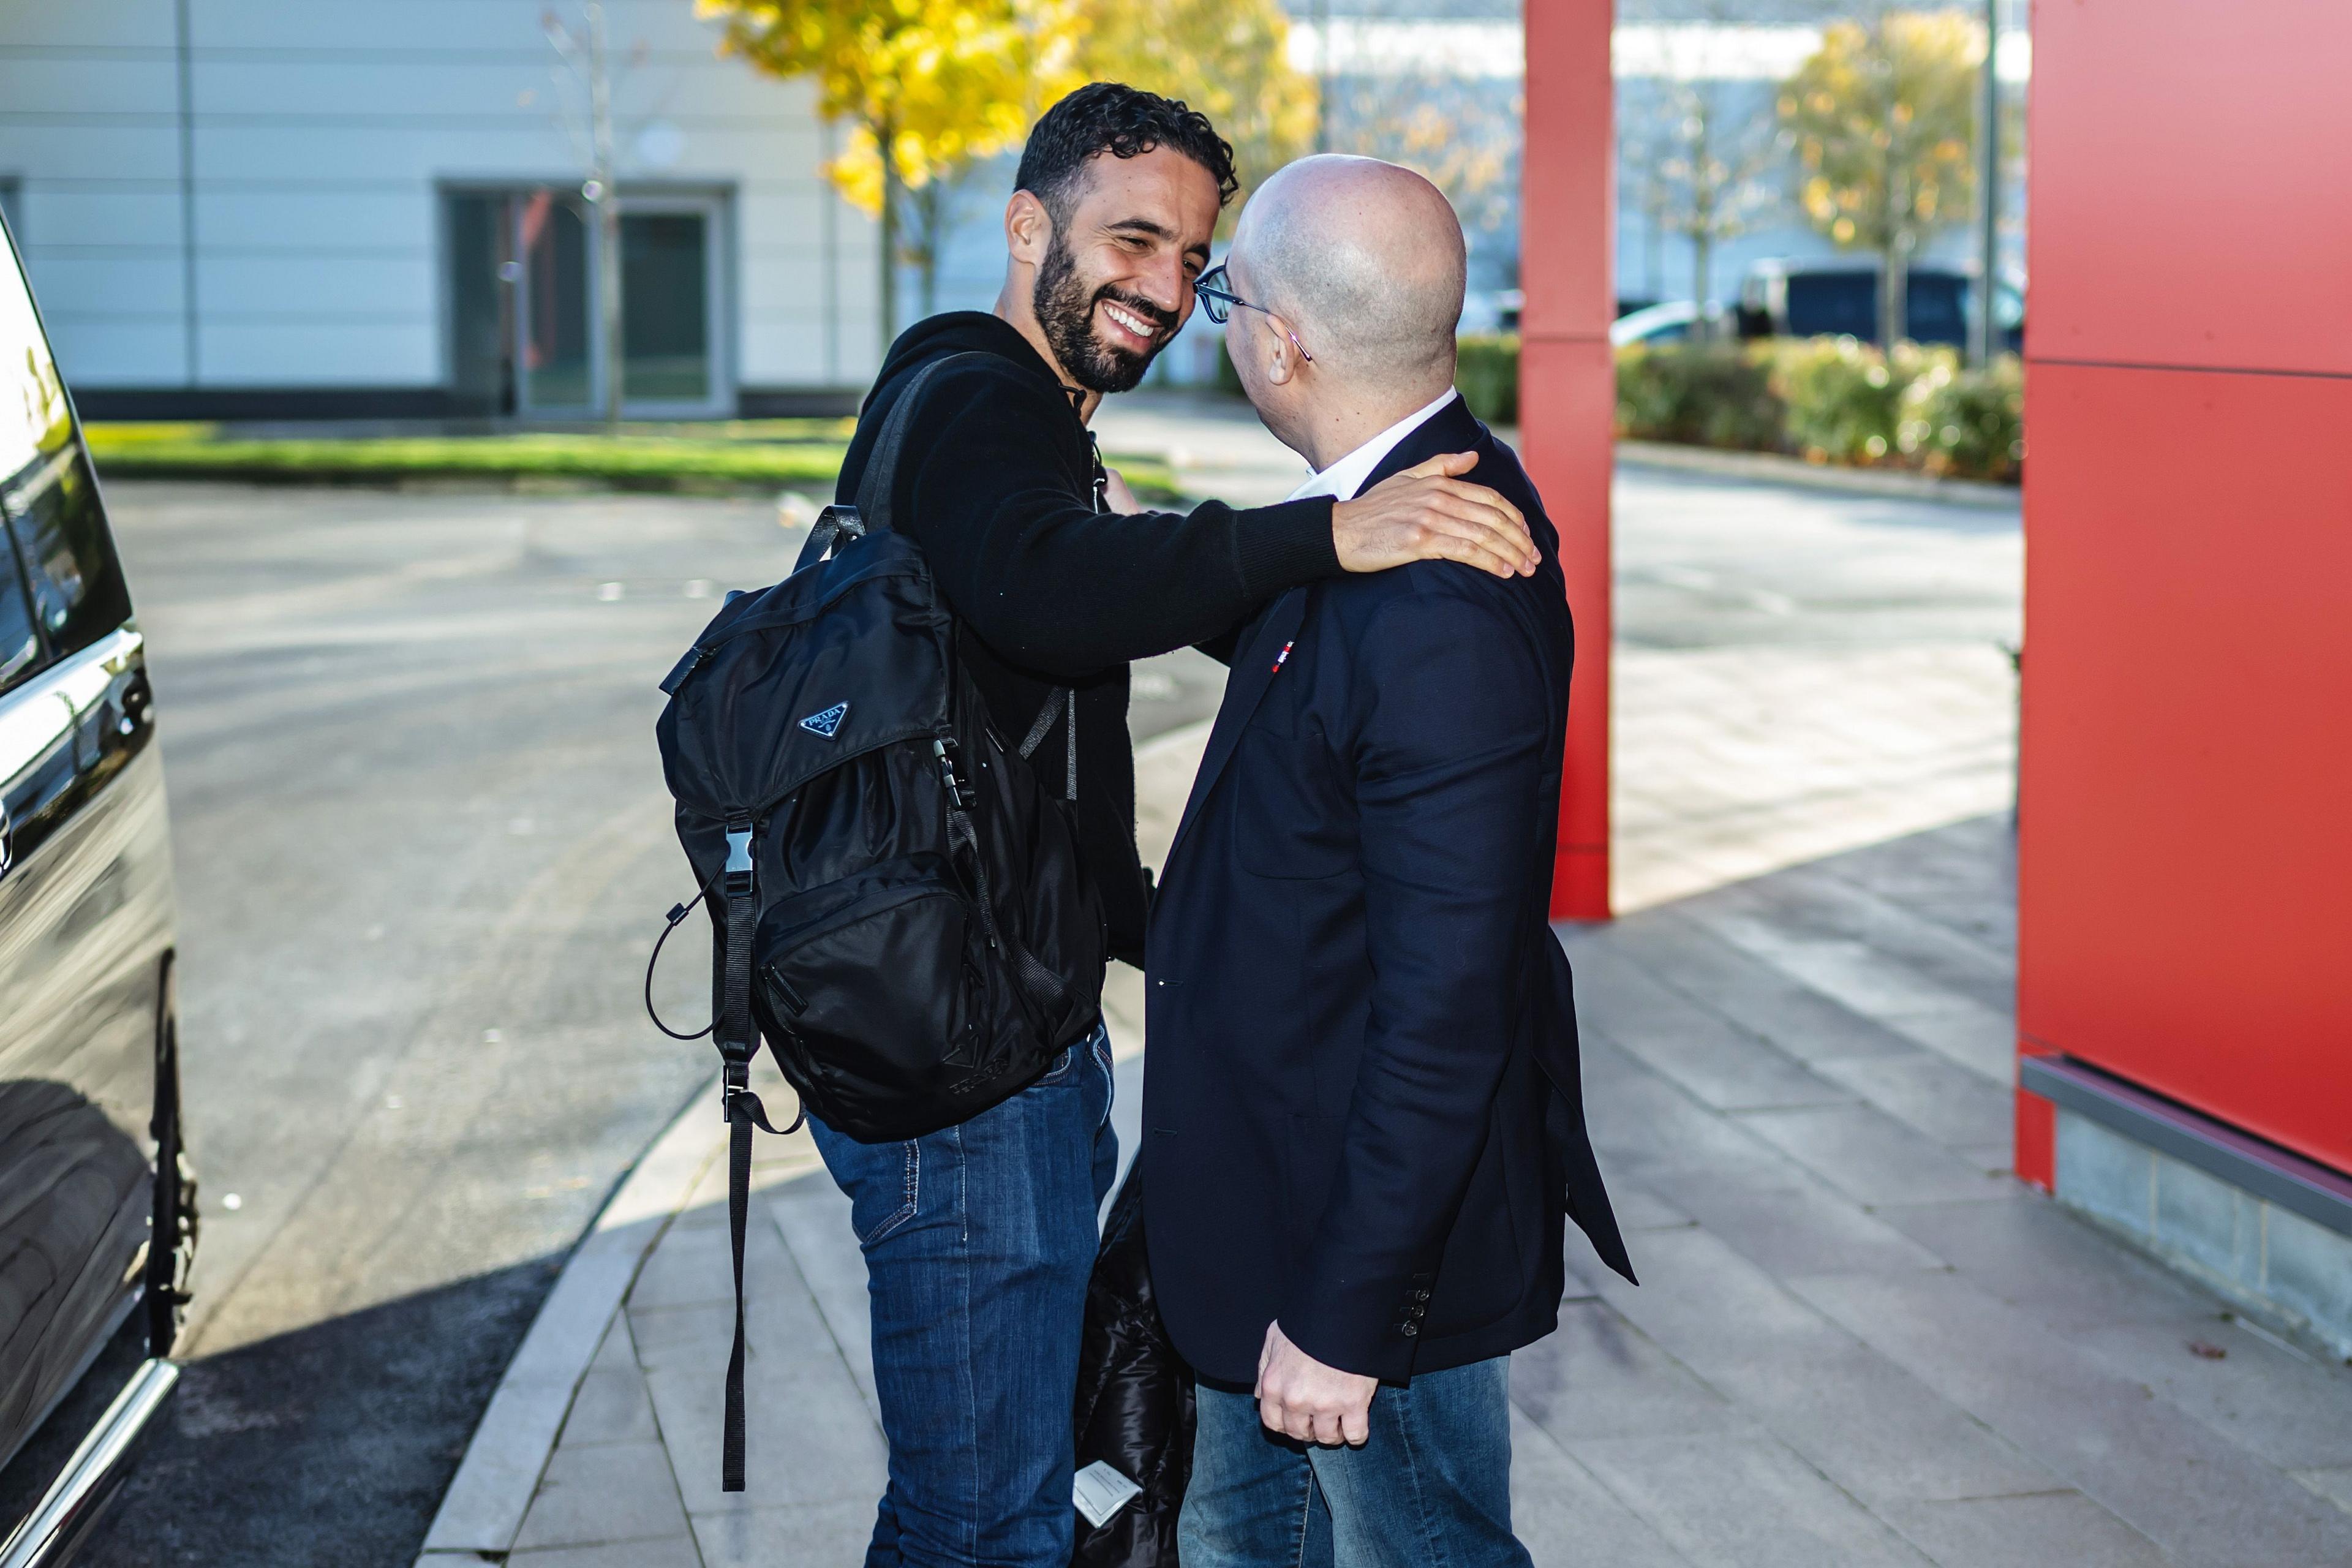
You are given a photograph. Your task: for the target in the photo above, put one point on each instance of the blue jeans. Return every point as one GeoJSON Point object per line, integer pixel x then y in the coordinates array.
{"type": "Point", "coordinates": [978, 1241]}
{"type": "Point", "coordinates": [1431, 1489]}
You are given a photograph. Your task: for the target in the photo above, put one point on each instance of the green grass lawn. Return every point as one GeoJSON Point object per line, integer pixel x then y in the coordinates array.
{"type": "Point", "coordinates": [744, 455]}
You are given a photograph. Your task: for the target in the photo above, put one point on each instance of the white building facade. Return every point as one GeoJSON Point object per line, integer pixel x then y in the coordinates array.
{"type": "Point", "coordinates": [288, 208]}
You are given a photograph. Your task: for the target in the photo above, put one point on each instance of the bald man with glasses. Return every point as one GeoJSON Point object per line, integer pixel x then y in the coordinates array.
{"type": "Point", "coordinates": [1363, 1126]}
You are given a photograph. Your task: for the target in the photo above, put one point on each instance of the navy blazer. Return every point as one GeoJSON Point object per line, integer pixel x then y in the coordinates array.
{"type": "Point", "coordinates": [1361, 1108]}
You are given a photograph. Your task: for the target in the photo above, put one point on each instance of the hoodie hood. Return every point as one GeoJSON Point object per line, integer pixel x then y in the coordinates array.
{"type": "Point", "coordinates": [962, 331]}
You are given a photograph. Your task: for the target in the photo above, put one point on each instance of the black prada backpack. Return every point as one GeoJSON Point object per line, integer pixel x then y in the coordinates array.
{"type": "Point", "coordinates": [898, 904]}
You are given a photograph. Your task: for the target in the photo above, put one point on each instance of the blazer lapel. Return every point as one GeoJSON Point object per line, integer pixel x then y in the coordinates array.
{"type": "Point", "coordinates": [1253, 672]}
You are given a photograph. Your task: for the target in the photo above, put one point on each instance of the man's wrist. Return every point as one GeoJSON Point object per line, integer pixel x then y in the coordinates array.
{"type": "Point", "coordinates": [1285, 545]}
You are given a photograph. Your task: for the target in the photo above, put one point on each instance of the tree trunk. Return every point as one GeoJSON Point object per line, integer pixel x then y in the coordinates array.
{"type": "Point", "coordinates": [1702, 271]}
{"type": "Point", "coordinates": [1894, 293]}
{"type": "Point", "coordinates": [930, 214]}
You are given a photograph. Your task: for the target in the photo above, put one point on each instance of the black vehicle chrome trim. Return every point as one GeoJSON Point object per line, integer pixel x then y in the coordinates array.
{"type": "Point", "coordinates": [73, 1501]}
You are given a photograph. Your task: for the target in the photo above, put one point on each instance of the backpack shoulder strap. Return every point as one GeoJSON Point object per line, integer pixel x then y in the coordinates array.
{"type": "Point", "coordinates": [870, 512]}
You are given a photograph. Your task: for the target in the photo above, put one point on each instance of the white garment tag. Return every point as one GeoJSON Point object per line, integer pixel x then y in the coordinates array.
{"type": "Point", "coordinates": [1101, 1491]}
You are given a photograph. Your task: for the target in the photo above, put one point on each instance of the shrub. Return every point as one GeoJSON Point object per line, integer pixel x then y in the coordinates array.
{"type": "Point", "coordinates": [1846, 398]}
{"type": "Point", "coordinates": [1487, 370]}
{"type": "Point", "coordinates": [1710, 394]}
{"type": "Point", "coordinates": [1968, 423]}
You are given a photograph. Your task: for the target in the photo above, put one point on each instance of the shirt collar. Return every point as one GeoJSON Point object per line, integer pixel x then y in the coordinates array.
{"type": "Point", "coordinates": [1344, 477]}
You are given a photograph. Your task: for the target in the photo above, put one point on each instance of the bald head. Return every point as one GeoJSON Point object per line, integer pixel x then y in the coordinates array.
{"type": "Point", "coordinates": [1366, 261]}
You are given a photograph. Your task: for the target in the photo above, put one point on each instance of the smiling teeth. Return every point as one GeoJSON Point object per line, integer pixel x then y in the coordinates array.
{"type": "Point", "coordinates": [1133, 323]}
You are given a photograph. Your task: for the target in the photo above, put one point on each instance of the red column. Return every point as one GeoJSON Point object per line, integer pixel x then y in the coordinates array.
{"type": "Point", "coordinates": [1568, 390]}
{"type": "Point", "coordinates": [2185, 856]}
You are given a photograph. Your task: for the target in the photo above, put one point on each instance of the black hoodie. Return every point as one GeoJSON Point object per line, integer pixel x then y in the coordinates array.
{"type": "Point", "coordinates": [997, 487]}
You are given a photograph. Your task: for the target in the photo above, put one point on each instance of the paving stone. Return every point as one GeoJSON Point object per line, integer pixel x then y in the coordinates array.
{"type": "Point", "coordinates": [1741, 1502]}
{"type": "Point", "coordinates": [1993, 1159]}
{"type": "Point", "coordinates": [2035, 1531]}
{"type": "Point", "coordinates": [2335, 1486]}
{"type": "Point", "coordinates": [1875, 1430]}
{"type": "Point", "coordinates": [2282, 1406]}
{"type": "Point", "coordinates": [2051, 1264]}
{"type": "Point", "coordinates": [812, 1216]}
{"type": "Point", "coordinates": [670, 1551]}
{"type": "Point", "coordinates": [1568, 1520]}
{"type": "Point", "coordinates": [1797, 1227]}
{"type": "Point", "coordinates": [1770, 1002]}
{"type": "Point", "coordinates": [609, 1492]}
{"type": "Point", "coordinates": [1641, 1124]}
{"type": "Point", "coordinates": [2207, 1503]}
{"type": "Point", "coordinates": [817, 1536]}
{"type": "Point", "coordinates": [1824, 899]}
{"type": "Point", "coordinates": [612, 1407]}
{"type": "Point", "coordinates": [669, 1337]}
{"type": "Point", "coordinates": [1978, 1036]}
{"type": "Point", "coordinates": [1714, 1061]}
{"type": "Point", "coordinates": [1950, 1104]}
{"type": "Point", "coordinates": [1600, 1376]}
{"type": "Point", "coordinates": [1638, 1207]}
{"type": "Point", "coordinates": [808, 1438]}
{"type": "Point", "coordinates": [1873, 1159]}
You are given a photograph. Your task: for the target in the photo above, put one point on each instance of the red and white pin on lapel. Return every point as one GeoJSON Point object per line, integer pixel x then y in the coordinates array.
{"type": "Point", "coordinates": [1283, 657]}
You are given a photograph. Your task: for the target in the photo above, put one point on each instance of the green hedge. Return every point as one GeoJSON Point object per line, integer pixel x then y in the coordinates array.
{"type": "Point", "coordinates": [1829, 400]}
{"type": "Point", "coordinates": [1487, 370]}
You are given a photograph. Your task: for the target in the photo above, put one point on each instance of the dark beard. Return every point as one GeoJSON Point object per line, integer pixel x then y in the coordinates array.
{"type": "Point", "coordinates": [1066, 309]}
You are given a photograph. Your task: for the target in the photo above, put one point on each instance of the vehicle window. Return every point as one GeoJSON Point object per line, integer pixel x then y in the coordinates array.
{"type": "Point", "coordinates": [1937, 307]}
{"type": "Point", "coordinates": [20, 645]}
{"type": "Point", "coordinates": [1833, 304]}
{"type": "Point", "coordinates": [47, 489]}
{"type": "Point", "coordinates": [60, 528]}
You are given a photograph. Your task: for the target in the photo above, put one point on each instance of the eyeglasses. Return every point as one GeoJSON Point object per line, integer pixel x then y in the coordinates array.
{"type": "Point", "coordinates": [1220, 302]}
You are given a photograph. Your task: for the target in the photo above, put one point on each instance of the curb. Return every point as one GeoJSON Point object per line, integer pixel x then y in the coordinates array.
{"type": "Point", "coordinates": [482, 1512]}
{"type": "Point", "coordinates": [1774, 468]}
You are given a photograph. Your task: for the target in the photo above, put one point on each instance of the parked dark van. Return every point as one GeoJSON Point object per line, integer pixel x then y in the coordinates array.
{"type": "Point", "coordinates": [1837, 297]}
{"type": "Point", "coordinates": [97, 1206]}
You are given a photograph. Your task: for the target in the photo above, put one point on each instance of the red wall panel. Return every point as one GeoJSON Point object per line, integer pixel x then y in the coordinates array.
{"type": "Point", "coordinates": [2192, 183]}
{"type": "Point", "coordinates": [2185, 866]}
{"type": "Point", "coordinates": [1566, 390]}
{"type": "Point", "coordinates": [2185, 856]}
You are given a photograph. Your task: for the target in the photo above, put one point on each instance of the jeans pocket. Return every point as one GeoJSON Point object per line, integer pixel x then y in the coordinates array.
{"type": "Point", "coordinates": [887, 1193]}
{"type": "Point", "coordinates": [1064, 1065]}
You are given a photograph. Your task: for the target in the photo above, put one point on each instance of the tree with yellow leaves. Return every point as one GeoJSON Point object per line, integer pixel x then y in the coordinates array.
{"type": "Point", "coordinates": [936, 84]}
{"type": "Point", "coordinates": [1882, 118]}
{"type": "Point", "coordinates": [1228, 58]}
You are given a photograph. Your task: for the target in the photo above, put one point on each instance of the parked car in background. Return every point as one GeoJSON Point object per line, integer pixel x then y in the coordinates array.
{"type": "Point", "coordinates": [97, 1204]}
{"type": "Point", "coordinates": [1837, 297]}
{"type": "Point", "coordinates": [1674, 322]}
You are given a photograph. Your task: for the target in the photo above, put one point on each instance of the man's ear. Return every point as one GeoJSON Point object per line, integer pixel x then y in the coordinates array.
{"type": "Point", "coordinates": [1282, 356]}
{"type": "Point", "coordinates": [1028, 229]}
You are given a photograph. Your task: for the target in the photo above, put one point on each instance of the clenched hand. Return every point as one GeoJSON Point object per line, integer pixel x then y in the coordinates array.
{"type": "Point", "coordinates": [1426, 514]}
{"type": "Point", "coordinates": [1300, 1397]}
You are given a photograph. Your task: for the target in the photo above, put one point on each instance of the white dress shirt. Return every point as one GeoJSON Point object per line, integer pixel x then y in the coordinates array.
{"type": "Point", "coordinates": [1343, 479]}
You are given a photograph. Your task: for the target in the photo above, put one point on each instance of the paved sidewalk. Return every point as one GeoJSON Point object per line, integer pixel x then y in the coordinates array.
{"type": "Point", "coordinates": [1858, 1339]}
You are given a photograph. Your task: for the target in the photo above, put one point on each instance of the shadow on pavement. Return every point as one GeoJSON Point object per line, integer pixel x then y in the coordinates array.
{"type": "Point", "coordinates": [328, 1445]}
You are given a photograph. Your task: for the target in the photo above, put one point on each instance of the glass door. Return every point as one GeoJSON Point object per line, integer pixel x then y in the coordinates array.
{"type": "Point", "coordinates": [555, 345]}
{"type": "Point", "coordinates": [671, 333]}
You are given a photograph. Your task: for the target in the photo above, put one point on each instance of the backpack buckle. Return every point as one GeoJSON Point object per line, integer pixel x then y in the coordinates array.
{"type": "Point", "coordinates": [741, 878]}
